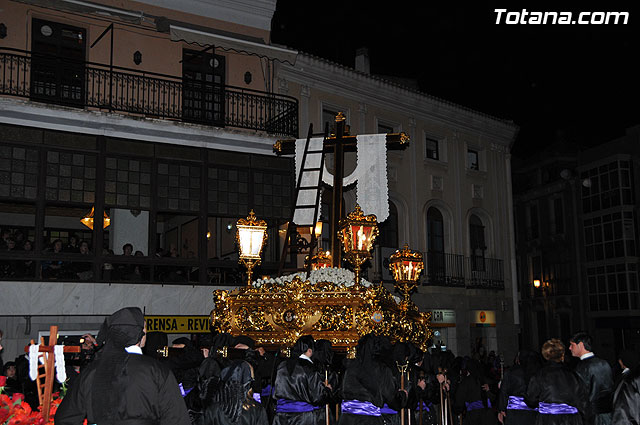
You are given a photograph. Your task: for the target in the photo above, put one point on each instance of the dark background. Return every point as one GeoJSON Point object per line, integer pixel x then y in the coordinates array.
{"type": "Point", "coordinates": [577, 83]}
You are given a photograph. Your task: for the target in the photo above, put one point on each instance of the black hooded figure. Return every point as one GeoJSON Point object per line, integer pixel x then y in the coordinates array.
{"type": "Point", "coordinates": [369, 384]}
{"type": "Point", "coordinates": [514, 386]}
{"type": "Point", "coordinates": [233, 403]}
{"type": "Point", "coordinates": [299, 388]}
{"type": "Point", "coordinates": [473, 397]}
{"type": "Point", "coordinates": [323, 361]}
{"type": "Point", "coordinates": [121, 386]}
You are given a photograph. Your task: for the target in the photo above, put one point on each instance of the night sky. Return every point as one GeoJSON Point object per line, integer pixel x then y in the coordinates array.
{"type": "Point", "coordinates": [578, 83]}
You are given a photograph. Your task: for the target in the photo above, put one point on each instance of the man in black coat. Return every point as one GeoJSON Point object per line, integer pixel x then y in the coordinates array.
{"type": "Point", "coordinates": [626, 404]}
{"type": "Point", "coordinates": [299, 388]}
{"type": "Point", "coordinates": [597, 376]}
{"type": "Point", "coordinates": [122, 386]}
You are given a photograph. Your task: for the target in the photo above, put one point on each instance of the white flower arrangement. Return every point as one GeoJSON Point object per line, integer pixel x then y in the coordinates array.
{"type": "Point", "coordinates": [338, 276]}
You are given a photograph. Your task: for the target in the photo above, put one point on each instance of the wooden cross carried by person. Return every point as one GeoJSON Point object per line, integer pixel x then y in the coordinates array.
{"type": "Point", "coordinates": [45, 389]}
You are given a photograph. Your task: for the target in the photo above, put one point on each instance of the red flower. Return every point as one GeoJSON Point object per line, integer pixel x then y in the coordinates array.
{"type": "Point", "coordinates": [3, 381]}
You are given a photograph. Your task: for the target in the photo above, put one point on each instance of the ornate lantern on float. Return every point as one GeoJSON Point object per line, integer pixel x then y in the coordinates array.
{"type": "Point", "coordinates": [406, 266]}
{"type": "Point", "coordinates": [251, 237]}
{"type": "Point", "coordinates": [357, 232]}
{"type": "Point", "coordinates": [321, 260]}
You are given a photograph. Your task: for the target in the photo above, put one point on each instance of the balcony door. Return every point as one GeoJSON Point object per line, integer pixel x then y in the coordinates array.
{"type": "Point", "coordinates": [436, 265]}
{"type": "Point", "coordinates": [478, 245]}
{"type": "Point", "coordinates": [203, 77]}
{"type": "Point", "coordinates": [57, 63]}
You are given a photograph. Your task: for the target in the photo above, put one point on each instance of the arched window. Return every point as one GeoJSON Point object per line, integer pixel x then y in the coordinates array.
{"type": "Point", "coordinates": [478, 244]}
{"type": "Point", "coordinates": [435, 230]}
{"type": "Point", "coordinates": [389, 228]}
{"type": "Point", "coordinates": [436, 261]}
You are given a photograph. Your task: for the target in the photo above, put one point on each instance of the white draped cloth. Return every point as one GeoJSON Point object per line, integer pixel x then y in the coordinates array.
{"type": "Point", "coordinates": [35, 356]}
{"type": "Point", "coordinates": [370, 176]}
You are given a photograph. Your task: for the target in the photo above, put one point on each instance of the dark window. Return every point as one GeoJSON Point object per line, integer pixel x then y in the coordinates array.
{"type": "Point", "coordinates": [478, 245]}
{"type": "Point", "coordinates": [472, 159]}
{"type": "Point", "coordinates": [432, 149]}
{"type": "Point", "coordinates": [534, 227]}
{"type": "Point", "coordinates": [203, 76]}
{"type": "Point", "coordinates": [389, 228]}
{"type": "Point", "coordinates": [558, 215]}
{"type": "Point", "coordinates": [57, 63]}
{"type": "Point", "coordinates": [436, 257]}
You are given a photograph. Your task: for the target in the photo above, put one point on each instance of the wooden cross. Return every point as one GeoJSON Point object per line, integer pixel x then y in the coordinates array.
{"type": "Point", "coordinates": [338, 144]}
{"type": "Point", "coordinates": [45, 389]}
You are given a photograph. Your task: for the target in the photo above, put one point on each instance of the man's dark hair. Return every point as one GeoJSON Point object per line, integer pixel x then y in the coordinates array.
{"type": "Point", "coordinates": [584, 338]}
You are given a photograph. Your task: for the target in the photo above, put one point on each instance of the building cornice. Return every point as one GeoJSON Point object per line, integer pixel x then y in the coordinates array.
{"type": "Point", "coordinates": [320, 74]}
{"type": "Point", "coordinates": [253, 13]}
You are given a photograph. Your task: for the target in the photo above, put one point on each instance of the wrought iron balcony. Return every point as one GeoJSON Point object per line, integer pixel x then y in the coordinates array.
{"type": "Point", "coordinates": [91, 85]}
{"type": "Point", "coordinates": [454, 270]}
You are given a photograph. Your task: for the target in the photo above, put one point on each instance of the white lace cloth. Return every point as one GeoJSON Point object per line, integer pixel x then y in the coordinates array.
{"type": "Point", "coordinates": [34, 357]}
{"type": "Point", "coordinates": [372, 190]}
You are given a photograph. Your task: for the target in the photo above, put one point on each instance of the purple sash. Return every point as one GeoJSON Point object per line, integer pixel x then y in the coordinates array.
{"type": "Point", "coordinates": [517, 403]}
{"type": "Point", "coordinates": [357, 407]}
{"type": "Point", "coordinates": [474, 405]}
{"type": "Point", "coordinates": [425, 406]}
{"type": "Point", "coordinates": [556, 409]}
{"type": "Point", "coordinates": [266, 392]}
{"type": "Point", "coordinates": [182, 390]}
{"type": "Point", "coordinates": [293, 406]}
{"type": "Point", "coordinates": [386, 410]}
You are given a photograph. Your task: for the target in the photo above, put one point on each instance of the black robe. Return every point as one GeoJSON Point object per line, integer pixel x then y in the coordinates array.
{"type": "Point", "coordinates": [470, 391]}
{"type": "Point", "coordinates": [626, 402]}
{"type": "Point", "coordinates": [514, 384]}
{"type": "Point", "coordinates": [373, 382]}
{"type": "Point", "coordinates": [598, 378]}
{"type": "Point", "coordinates": [305, 384]}
{"type": "Point", "coordinates": [252, 414]}
{"type": "Point", "coordinates": [152, 397]}
{"type": "Point", "coordinates": [556, 383]}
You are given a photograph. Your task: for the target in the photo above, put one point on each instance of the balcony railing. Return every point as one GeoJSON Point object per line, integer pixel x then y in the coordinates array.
{"type": "Point", "coordinates": [67, 82]}
{"type": "Point", "coordinates": [454, 270]}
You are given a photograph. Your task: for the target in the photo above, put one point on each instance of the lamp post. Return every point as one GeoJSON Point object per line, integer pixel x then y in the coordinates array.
{"type": "Point", "coordinates": [544, 286]}
{"type": "Point", "coordinates": [357, 232]}
{"type": "Point", "coordinates": [406, 266]}
{"type": "Point", "coordinates": [251, 237]}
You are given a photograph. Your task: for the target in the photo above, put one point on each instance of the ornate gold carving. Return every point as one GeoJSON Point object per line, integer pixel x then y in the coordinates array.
{"type": "Point", "coordinates": [276, 315]}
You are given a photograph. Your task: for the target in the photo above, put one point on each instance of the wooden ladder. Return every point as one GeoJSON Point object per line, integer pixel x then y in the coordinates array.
{"type": "Point", "coordinates": [291, 238]}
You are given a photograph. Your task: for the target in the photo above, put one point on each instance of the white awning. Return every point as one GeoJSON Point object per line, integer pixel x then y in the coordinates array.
{"type": "Point", "coordinates": [203, 38]}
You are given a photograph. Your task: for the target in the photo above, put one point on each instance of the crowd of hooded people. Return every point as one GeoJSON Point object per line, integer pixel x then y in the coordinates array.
{"type": "Point", "coordinates": [128, 376]}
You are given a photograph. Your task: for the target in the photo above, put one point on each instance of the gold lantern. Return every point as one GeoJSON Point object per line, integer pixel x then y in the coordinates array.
{"type": "Point", "coordinates": [251, 237]}
{"type": "Point", "coordinates": [87, 220]}
{"type": "Point", "coordinates": [357, 232]}
{"type": "Point", "coordinates": [406, 266]}
{"type": "Point", "coordinates": [321, 260]}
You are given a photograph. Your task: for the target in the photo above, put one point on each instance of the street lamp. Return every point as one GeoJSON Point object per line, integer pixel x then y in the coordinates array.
{"type": "Point", "coordinates": [357, 232]}
{"type": "Point", "coordinates": [251, 236]}
{"type": "Point", "coordinates": [406, 266]}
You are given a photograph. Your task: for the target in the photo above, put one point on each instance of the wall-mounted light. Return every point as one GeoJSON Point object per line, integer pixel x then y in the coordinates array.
{"type": "Point", "coordinates": [536, 283]}
{"type": "Point", "coordinates": [229, 227]}
{"type": "Point", "coordinates": [3, 30]}
{"type": "Point", "coordinates": [137, 57]}
{"type": "Point", "coordinates": [247, 77]}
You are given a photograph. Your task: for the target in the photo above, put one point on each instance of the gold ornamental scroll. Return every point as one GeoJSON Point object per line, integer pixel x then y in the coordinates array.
{"type": "Point", "coordinates": [275, 315]}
